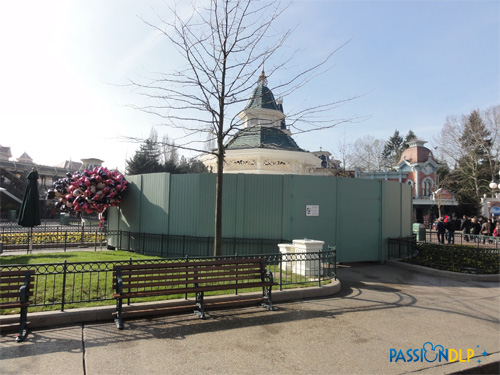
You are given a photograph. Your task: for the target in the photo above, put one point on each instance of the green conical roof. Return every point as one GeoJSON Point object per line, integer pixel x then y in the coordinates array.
{"type": "Point", "coordinates": [261, 96]}
{"type": "Point", "coordinates": [262, 137]}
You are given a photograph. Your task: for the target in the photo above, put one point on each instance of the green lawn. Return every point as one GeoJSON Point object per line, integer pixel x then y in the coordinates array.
{"type": "Point", "coordinates": [73, 256]}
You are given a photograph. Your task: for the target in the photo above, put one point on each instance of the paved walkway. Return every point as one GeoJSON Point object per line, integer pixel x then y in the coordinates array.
{"type": "Point", "coordinates": [380, 307]}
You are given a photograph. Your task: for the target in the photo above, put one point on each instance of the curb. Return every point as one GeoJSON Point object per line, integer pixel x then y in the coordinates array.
{"type": "Point", "coordinates": [442, 273]}
{"type": "Point", "coordinates": [105, 313]}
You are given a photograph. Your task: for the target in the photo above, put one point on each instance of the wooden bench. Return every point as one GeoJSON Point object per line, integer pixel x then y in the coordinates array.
{"type": "Point", "coordinates": [15, 291]}
{"type": "Point", "coordinates": [190, 277]}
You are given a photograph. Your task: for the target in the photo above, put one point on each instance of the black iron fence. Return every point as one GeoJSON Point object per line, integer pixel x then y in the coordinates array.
{"type": "Point", "coordinates": [49, 225]}
{"type": "Point", "coordinates": [170, 245]}
{"type": "Point", "coordinates": [13, 238]}
{"type": "Point", "coordinates": [459, 238]}
{"type": "Point", "coordinates": [402, 247]}
{"type": "Point", "coordinates": [68, 285]}
{"type": "Point", "coordinates": [50, 237]}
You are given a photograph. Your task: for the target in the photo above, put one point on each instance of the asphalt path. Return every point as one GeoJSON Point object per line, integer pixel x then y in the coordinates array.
{"type": "Point", "coordinates": [381, 312]}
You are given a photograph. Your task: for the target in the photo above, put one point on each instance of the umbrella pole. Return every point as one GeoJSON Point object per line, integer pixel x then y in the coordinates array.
{"type": "Point", "coordinates": [30, 248]}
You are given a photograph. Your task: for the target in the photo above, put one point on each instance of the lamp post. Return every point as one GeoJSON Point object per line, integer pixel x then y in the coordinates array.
{"type": "Point", "coordinates": [493, 185]}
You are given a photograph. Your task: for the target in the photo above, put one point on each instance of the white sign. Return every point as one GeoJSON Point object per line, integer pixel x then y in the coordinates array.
{"type": "Point", "coordinates": [312, 210]}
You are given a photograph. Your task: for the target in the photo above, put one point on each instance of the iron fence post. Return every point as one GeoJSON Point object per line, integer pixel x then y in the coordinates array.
{"type": "Point", "coordinates": [281, 271]}
{"type": "Point", "coordinates": [236, 257]}
{"type": "Point", "coordinates": [28, 244]}
{"type": "Point", "coordinates": [63, 298]}
{"type": "Point", "coordinates": [130, 263]}
{"type": "Point", "coordinates": [319, 268]}
{"type": "Point", "coordinates": [186, 295]}
{"type": "Point", "coordinates": [65, 239]}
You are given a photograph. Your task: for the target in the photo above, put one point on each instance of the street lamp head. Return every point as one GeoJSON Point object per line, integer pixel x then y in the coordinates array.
{"type": "Point", "coordinates": [493, 185]}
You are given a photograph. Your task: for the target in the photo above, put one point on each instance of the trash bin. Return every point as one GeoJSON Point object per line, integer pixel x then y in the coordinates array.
{"type": "Point", "coordinates": [12, 215]}
{"type": "Point", "coordinates": [419, 231]}
{"type": "Point", "coordinates": [64, 219]}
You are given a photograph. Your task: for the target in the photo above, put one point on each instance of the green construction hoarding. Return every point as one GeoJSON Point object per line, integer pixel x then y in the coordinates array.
{"type": "Point", "coordinates": [356, 215]}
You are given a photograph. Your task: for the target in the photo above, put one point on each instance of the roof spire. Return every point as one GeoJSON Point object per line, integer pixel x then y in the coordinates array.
{"type": "Point", "coordinates": [263, 78]}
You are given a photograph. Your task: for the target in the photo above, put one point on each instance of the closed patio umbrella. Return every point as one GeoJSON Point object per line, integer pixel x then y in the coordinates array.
{"type": "Point", "coordinates": [29, 215]}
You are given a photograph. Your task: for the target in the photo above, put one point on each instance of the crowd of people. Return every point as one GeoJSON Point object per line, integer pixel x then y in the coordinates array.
{"type": "Point", "coordinates": [473, 228]}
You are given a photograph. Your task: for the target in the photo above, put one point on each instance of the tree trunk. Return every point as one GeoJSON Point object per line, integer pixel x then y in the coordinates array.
{"type": "Point", "coordinates": [218, 203]}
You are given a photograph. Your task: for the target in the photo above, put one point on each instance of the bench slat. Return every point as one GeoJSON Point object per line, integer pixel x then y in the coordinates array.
{"type": "Point", "coordinates": [208, 288]}
{"type": "Point", "coordinates": [16, 273]}
{"type": "Point", "coordinates": [10, 287]}
{"type": "Point", "coordinates": [170, 270]}
{"type": "Point", "coordinates": [11, 305]}
{"type": "Point", "coordinates": [14, 280]}
{"type": "Point", "coordinates": [14, 294]}
{"type": "Point", "coordinates": [156, 283]}
{"type": "Point", "coordinates": [189, 275]}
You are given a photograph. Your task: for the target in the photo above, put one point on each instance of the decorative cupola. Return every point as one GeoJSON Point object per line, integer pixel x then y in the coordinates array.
{"type": "Point", "coordinates": [417, 153]}
{"type": "Point", "coordinates": [262, 109]}
{"type": "Point", "coordinates": [264, 145]}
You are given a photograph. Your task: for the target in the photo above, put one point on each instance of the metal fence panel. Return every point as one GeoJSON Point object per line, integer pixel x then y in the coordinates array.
{"type": "Point", "coordinates": [360, 220]}
{"type": "Point", "coordinates": [69, 284]}
{"type": "Point", "coordinates": [155, 206]}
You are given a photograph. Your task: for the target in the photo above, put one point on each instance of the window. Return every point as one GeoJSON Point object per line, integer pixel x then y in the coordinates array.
{"type": "Point", "coordinates": [427, 187]}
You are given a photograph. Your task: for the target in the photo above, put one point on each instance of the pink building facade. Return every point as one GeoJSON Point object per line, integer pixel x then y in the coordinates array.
{"type": "Point", "coordinates": [418, 168]}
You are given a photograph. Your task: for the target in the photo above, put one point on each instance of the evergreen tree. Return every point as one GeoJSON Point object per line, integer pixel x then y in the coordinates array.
{"type": "Point", "coordinates": [411, 136]}
{"type": "Point", "coordinates": [476, 139]}
{"type": "Point", "coordinates": [475, 160]}
{"type": "Point", "coordinates": [392, 149]}
{"type": "Point", "coordinates": [395, 146]}
{"type": "Point", "coordinates": [145, 160]}
{"type": "Point", "coordinates": [148, 159]}
{"type": "Point", "coordinates": [473, 171]}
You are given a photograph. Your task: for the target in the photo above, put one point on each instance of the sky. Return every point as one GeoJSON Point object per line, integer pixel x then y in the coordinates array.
{"type": "Point", "coordinates": [66, 64]}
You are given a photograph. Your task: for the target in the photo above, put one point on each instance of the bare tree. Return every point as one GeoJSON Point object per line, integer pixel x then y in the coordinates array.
{"type": "Point", "coordinates": [367, 154]}
{"type": "Point", "coordinates": [224, 45]}
{"type": "Point", "coordinates": [344, 152]}
{"type": "Point", "coordinates": [169, 148]}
